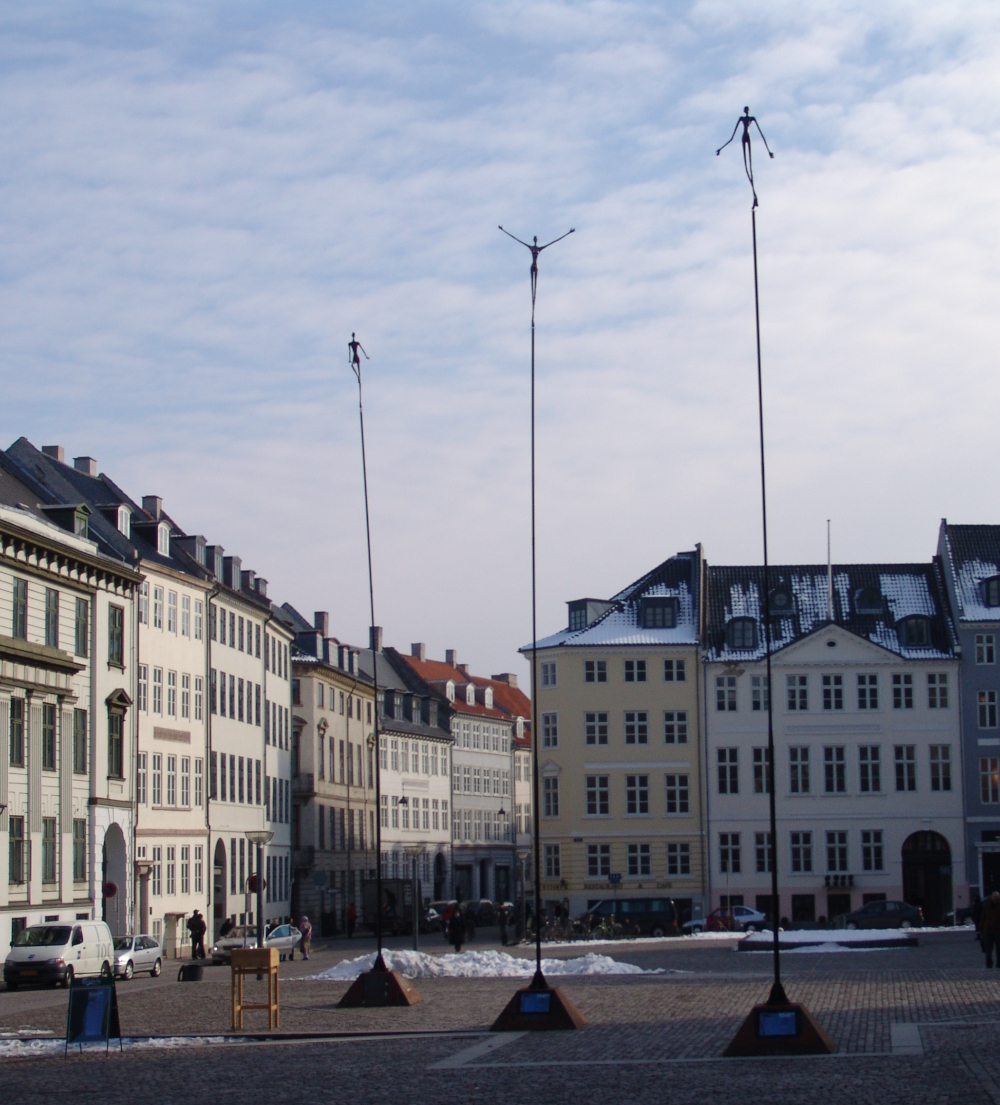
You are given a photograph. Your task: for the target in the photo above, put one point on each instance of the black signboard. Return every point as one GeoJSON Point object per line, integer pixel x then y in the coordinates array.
{"type": "Point", "coordinates": [93, 1013]}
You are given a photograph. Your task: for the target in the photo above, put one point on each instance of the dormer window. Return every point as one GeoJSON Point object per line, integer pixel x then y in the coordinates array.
{"type": "Point", "coordinates": [125, 521]}
{"type": "Point", "coordinates": [780, 602]}
{"type": "Point", "coordinates": [519, 729]}
{"type": "Point", "coordinates": [470, 694]}
{"type": "Point", "coordinates": [741, 633]}
{"type": "Point", "coordinates": [449, 690]}
{"type": "Point", "coordinates": [991, 591]}
{"type": "Point", "coordinates": [658, 613]}
{"type": "Point", "coordinates": [81, 525]}
{"type": "Point", "coordinates": [163, 539]}
{"type": "Point", "coordinates": [577, 616]}
{"type": "Point", "coordinates": [488, 698]}
{"type": "Point", "coordinates": [868, 600]}
{"type": "Point", "coordinates": [916, 632]}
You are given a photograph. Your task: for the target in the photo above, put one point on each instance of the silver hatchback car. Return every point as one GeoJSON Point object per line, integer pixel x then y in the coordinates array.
{"type": "Point", "coordinates": [137, 953]}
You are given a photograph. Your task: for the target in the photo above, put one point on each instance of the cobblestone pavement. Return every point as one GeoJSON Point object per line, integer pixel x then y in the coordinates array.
{"type": "Point", "coordinates": [649, 1038]}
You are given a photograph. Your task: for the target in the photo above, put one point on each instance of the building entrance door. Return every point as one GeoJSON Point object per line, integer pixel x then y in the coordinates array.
{"type": "Point", "coordinates": [927, 875]}
{"type": "Point", "coordinates": [219, 887]}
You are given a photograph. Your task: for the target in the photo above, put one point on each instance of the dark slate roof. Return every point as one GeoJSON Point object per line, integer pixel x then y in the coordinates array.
{"type": "Point", "coordinates": [893, 591]}
{"type": "Point", "coordinates": [974, 553]}
{"type": "Point", "coordinates": [678, 577]}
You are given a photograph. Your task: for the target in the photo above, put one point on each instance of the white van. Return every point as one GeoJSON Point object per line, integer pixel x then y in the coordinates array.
{"type": "Point", "coordinates": [58, 953]}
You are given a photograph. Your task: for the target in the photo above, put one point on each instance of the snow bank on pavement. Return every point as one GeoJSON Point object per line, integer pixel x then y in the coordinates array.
{"type": "Point", "coordinates": [812, 949]}
{"type": "Point", "coordinates": [32, 1049]}
{"type": "Point", "coordinates": [829, 936]}
{"type": "Point", "coordinates": [486, 964]}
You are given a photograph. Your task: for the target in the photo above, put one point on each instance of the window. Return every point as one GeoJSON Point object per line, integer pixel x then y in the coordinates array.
{"type": "Point", "coordinates": [595, 671]}
{"type": "Point", "coordinates": [729, 780]}
{"type": "Point", "coordinates": [157, 690]}
{"type": "Point", "coordinates": [991, 591]}
{"type": "Point", "coordinates": [637, 794]}
{"type": "Point", "coordinates": [51, 618]}
{"type": "Point", "coordinates": [116, 635]}
{"type": "Point", "coordinates": [172, 694]}
{"type": "Point", "coordinates": [158, 608]}
{"type": "Point", "coordinates": [725, 693]}
{"type": "Point", "coordinates": [79, 850]}
{"type": "Point", "coordinates": [989, 779]}
{"type": "Point", "coordinates": [937, 691]}
{"type": "Point", "coordinates": [867, 692]}
{"type": "Point", "coordinates": [185, 781]}
{"type": "Point", "coordinates": [741, 634]}
{"type": "Point", "coordinates": [199, 623]}
{"type": "Point", "coordinates": [198, 862]}
{"type": "Point", "coordinates": [550, 796]}
{"type": "Point", "coordinates": [199, 772]}
{"type": "Point", "coordinates": [658, 613]}
{"type": "Point", "coordinates": [144, 604]}
{"type": "Point", "coordinates": [674, 671]}
{"type": "Point", "coordinates": [802, 853]}
{"type": "Point", "coordinates": [940, 767]}
{"type": "Point", "coordinates": [758, 692]}
{"type": "Point", "coordinates": [172, 868]}
{"type": "Point", "coordinates": [79, 742]}
{"type": "Point", "coordinates": [916, 632]}
{"type": "Point", "coordinates": [987, 709]}
{"type": "Point", "coordinates": [48, 737]}
{"type": "Point", "coordinates": [550, 731]}
{"type": "Point", "coordinates": [140, 778]}
{"type": "Point", "coordinates": [871, 850]}
{"type": "Point", "coordinates": [870, 768]}
{"type": "Point", "coordinates": [185, 869]}
{"type": "Point", "coordinates": [761, 763]}
{"type": "Point", "coordinates": [836, 851]}
{"type": "Point", "coordinates": [906, 767]}
{"type": "Point", "coordinates": [17, 732]}
{"type": "Point", "coordinates": [16, 853]}
{"type": "Point", "coordinates": [902, 692]}
{"type": "Point", "coordinates": [834, 770]}
{"type": "Point", "coordinates": [142, 702]}
{"type": "Point", "coordinates": [729, 853]}
{"type": "Point", "coordinates": [48, 849]}
{"type": "Point", "coordinates": [833, 692]}
{"type": "Point", "coordinates": [677, 793]}
{"type": "Point", "coordinates": [171, 611]}
{"type": "Point", "coordinates": [679, 859]}
{"type": "Point", "coordinates": [199, 698]}
{"type": "Point", "coordinates": [675, 727]}
{"type": "Point", "coordinates": [598, 861]}
{"type": "Point", "coordinates": [185, 615]}
{"type": "Point", "coordinates": [637, 727]}
{"type": "Point", "coordinates": [798, 691]}
{"type": "Point", "coordinates": [762, 852]}
{"type": "Point", "coordinates": [985, 648]}
{"type": "Point", "coordinates": [598, 800]}
{"type": "Point", "coordinates": [19, 614]}
{"type": "Point", "coordinates": [553, 866]}
{"type": "Point", "coordinates": [639, 860]}
{"type": "Point", "coordinates": [158, 778]}
{"type": "Point", "coordinates": [115, 745]}
{"type": "Point", "coordinates": [798, 769]}
{"type": "Point", "coordinates": [549, 673]}
{"type": "Point", "coordinates": [635, 671]}
{"type": "Point", "coordinates": [595, 728]}
{"type": "Point", "coordinates": [81, 628]}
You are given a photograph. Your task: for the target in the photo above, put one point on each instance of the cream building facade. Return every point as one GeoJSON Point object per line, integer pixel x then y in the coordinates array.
{"type": "Point", "coordinates": [620, 758]}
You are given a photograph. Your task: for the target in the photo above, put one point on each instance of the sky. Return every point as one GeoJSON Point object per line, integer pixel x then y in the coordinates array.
{"type": "Point", "coordinates": [200, 202]}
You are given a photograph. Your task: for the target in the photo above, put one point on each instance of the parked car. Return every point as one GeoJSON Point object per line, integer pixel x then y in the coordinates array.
{"type": "Point", "coordinates": [284, 937]}
{"type": "Point", "coordinates": [137, 953]}
{"type": "Point", "coordinates": [637, 916]}
{"type": "Point", "coordinates": [57, 954]}
{"type": "Point", "coordinates": [737, 918]}
{"type": "Point", "coordinates": [884, 915]}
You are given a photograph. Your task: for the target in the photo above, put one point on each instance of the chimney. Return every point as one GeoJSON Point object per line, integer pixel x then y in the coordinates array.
{"type": "Point", "coordinates": [56, 452]}
{"type": "Point", "coordinates": [450, 656]}
{"type": "Point", "coordinates": [375, 638]}
{"type": "Point", "coordinates": [463, 668]}
{"type": "Point", "coordinates": [86, 465]}
{"type": "Point", "coordinates": [321, 621]}
{"type": "Point", "coordinates": [419, 650]}
{"type": "Point", "coordinates": [151, 504]}
{"type": "Point", "coordinates": [507, 677]}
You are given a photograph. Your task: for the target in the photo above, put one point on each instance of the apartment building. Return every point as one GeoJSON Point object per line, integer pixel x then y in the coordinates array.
{"type": "Point", "coordinates": [619, 750]}
{"type": "Point", "coordinates": [970, 562]}
{"type": "Point", "coordinates": [867, 739]}
{"type": "Point", "coordinates": [67, 720]}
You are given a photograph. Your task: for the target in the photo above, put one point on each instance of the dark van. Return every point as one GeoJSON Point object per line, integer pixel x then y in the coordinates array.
{"type": "Point", "coordinates": [651, 916]}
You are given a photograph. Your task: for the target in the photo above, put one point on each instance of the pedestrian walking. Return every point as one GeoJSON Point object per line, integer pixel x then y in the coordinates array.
{"type": "Point", "coordinates": [352, 917]}
{"type": "Point", "coordinates": [989, 927]}
{"type": "Point", "coordinates": [976, 913]}
{"type": "Point", "coordinates": [305, 943]}
{"type": "Point", "coordinates": [503, 927]}
{"type": "Point", "coordinates": [197, 927]}
{"type": "Point", "coordinates": [456, 931]}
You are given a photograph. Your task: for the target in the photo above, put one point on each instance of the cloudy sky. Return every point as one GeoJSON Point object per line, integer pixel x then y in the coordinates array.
{"type": "Point", "coordinates": [201, 201]}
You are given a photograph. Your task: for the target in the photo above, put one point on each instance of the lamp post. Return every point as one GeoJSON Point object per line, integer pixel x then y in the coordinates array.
{"type": "Point", "coordinates": [415, 851]}
{"type": "Point", "coordinates": [522, 855]}
{"type": "Point", "coordinates": [142, 869]}
{"type": "Point", "coordinates": [258, 838]}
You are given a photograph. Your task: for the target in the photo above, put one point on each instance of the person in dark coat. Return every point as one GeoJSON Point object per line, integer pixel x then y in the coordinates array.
{"type": "Point", "coordinates": [456, 931]}
{"type": "Point", "coordinates": [989, 927]}
{"type": "Point", "coordinates": [197, 927]}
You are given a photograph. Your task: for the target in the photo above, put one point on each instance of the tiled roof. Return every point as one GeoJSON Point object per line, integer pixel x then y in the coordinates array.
{"type": "Point", "coordinates": [974, 552]}
{"type": "Point", "coordinates": [893, 592]}
{"type": "Point", "coordinates": [436, 674]}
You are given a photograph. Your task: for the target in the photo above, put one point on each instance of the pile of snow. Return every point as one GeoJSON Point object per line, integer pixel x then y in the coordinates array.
{"type": "Point", "coordinates": [36, 1048]}
{"type": "Point", "coordinates": [827, 936]}
{"type": "Point", "coordinates": [486, 964]}
{"type": "Point", "coordinates": [811, 949]}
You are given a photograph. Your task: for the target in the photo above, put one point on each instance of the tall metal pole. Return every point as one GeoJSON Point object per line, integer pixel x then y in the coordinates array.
{"type": "Point", "coordinates": [777, 995]}
{"type": "Point", "coordinates": [379, 965]}
{"type": "Point", "coordinates": [538, 981]}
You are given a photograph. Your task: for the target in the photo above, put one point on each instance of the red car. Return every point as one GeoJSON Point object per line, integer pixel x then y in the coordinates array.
{"type": "Point", "coordinates": [722, 920]}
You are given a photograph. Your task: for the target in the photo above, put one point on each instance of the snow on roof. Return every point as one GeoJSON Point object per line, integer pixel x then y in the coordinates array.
{"type": "Point", "coordinates": [974, 554]}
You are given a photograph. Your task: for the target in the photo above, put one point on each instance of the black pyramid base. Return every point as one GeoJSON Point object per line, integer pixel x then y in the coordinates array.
{"type": "Point", "coordinates": [780, 1029]}
{"type": "Point", "coordinates": [379, 988]}
{"type": "Point", "coordinates": [538, 1010]}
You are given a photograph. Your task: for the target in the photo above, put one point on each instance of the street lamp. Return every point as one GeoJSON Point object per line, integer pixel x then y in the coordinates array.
{"type": "Point", "coordinates": [522, 855]}
{"type": "Point", "coordinates": [258, 838]}
{"type": "Point", "coordinates": [415, 850]}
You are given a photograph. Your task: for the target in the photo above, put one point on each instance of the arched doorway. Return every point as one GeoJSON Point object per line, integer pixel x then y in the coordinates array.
{"type": "Point", "coordinates": [219, 885]}
{"type": "Point", "coordinates": [115, 907]}
{"type": "Point", "coordinates": [439, 876]}
{"type": "Point", "coordinates": [927, 874]}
